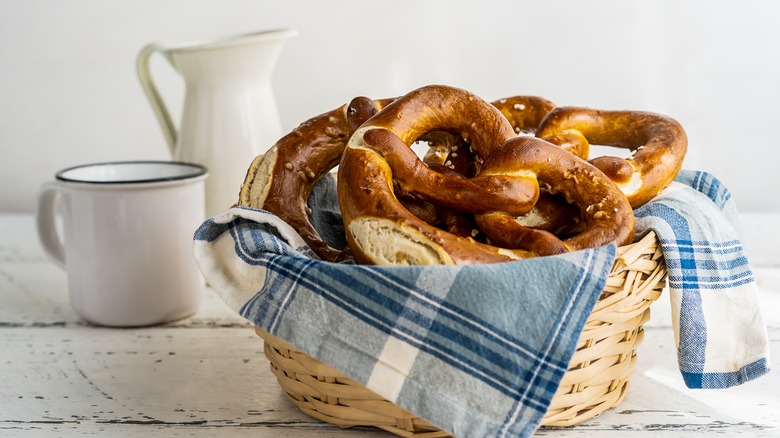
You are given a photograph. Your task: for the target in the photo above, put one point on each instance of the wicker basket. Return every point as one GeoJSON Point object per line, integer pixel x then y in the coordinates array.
{"type": "Point", "coordinates": [597, 378]}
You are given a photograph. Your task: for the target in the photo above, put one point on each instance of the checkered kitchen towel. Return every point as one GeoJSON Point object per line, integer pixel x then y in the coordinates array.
{"type": "Point", "coordinates": [476, 350]}
{"type": "Point", "coordinates": [720, 333]}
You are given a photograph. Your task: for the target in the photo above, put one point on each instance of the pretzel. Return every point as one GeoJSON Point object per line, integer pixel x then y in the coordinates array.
{"type": "Point", "coordinates": [550, 213]}
{"type": "Point", "coordinates": [658, 145]}
{"type": "Point", "coordinates": [281, 180]}
{"type": "Point", "coordinates": [524, 113]}
{"type": "Point", "coordinates": [606, 213]}
{"type": "Point", "coordinates": [380, 231]}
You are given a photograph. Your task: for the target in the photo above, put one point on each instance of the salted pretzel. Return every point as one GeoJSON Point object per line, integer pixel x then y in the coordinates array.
{"type": "Point", "coordinates": [282, 179]}
{"type": "Point", "coordinates": [450, 150]}
{"type": "Point", "coordinates": [658, 145]}
{"type": "Point", "coordinates": [606, 213]}
{"type": "Point", "coordinates": [380, 231]}
{"type": "Point", "coordinates": [524, 113]}
{"type": "Point", "coordinates": [550, 213]}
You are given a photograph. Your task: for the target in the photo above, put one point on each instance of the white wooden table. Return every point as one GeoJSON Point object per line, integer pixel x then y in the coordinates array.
{"type": "Point", "coordinates": [207, 376]}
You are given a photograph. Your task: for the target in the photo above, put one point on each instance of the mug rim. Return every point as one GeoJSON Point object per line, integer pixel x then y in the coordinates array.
{"type": "Point", "coordinates": [198, 171]}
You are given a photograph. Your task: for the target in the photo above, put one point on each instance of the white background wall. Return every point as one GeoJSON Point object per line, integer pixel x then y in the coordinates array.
{"type": "Point", "coordinates": [69, 93]}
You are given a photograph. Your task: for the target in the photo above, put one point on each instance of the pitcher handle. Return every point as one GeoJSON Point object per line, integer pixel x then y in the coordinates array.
{"type": "Point", "coordinates": [160, 110]}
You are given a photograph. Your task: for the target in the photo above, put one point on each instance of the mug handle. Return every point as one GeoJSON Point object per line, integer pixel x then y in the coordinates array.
{"type": "Point", "coordinates": [47, 230]}
{"type": "Point", "coordinates": [160, 110]}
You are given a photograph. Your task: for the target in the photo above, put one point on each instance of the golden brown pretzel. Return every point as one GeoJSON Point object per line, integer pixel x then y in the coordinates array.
{"type": "Point", "coordinates": [515, 194]}
{"type": "Point", "coordinates": [380, 231]}
{"type": "Point", "coordinates": [281, 180]}
{"type": "Point", "coordinates": [658, 145]}
{"type": "Point", "coordinates": [524, 113]}
{"type": "Point", "coordinates": [605, 211]}
{"type": "Point", "coordinates": [551, 213]}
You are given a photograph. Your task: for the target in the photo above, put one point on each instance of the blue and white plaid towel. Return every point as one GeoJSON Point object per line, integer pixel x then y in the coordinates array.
{"type": "Point", "coordinates": [476, 350]}
{"type": "Point", "coordinates": [720, 333]}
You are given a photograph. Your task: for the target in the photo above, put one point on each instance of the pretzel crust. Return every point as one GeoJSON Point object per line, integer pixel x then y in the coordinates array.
{"type": "Point", "coordinates": [524, 113]}
{"type": "Point", "coordinates": [375, 222]}
{"type": "Point", "coordinates": [281, 180]}
{"type": "Point", "coordinates": [658, 144]}
{"type": "Point", "coordinates": [607, 215]}
{"type": "Point", "coordinates": [377, 154]}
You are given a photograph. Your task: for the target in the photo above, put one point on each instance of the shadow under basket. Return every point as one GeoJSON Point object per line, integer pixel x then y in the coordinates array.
{"type": "Point", "coordinates": [596, 380]}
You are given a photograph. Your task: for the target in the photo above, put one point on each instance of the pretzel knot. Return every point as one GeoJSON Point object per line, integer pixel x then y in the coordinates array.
{"type": "Point", "coordinates": [507, 182]}
{"type": "Point", "coordinates": [658, 145]}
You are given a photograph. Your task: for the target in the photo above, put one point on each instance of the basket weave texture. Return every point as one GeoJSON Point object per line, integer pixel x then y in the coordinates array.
{"type": "Point", "coordinates": [596, 380]}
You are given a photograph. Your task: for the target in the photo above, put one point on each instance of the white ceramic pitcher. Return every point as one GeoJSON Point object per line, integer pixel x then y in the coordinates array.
{"type": "Point", "coordinates": [229, 114]}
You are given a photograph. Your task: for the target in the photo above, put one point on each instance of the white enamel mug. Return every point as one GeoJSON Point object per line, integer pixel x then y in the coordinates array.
{"type": "Point", "coordinates": [127, 236]}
